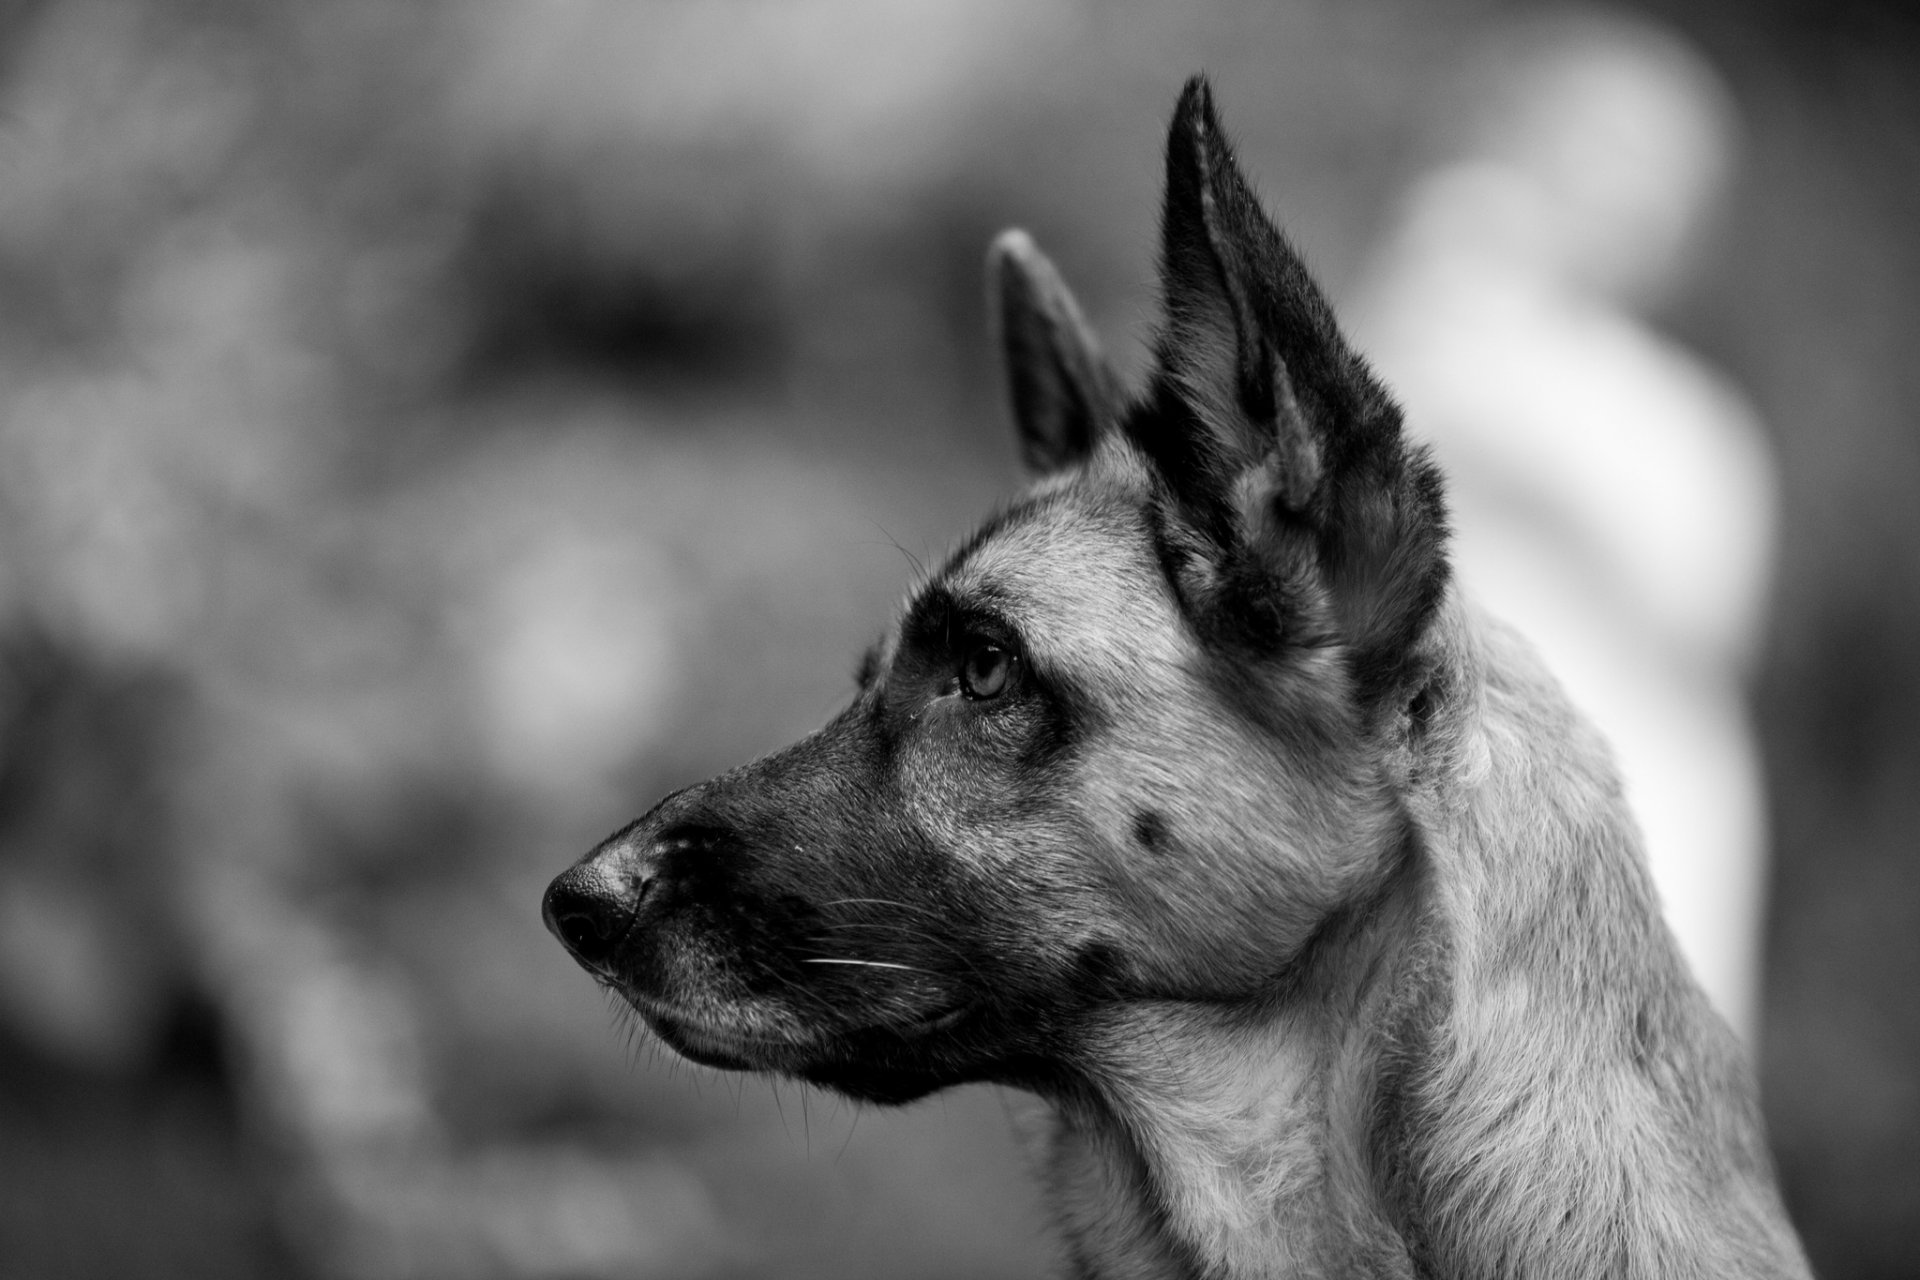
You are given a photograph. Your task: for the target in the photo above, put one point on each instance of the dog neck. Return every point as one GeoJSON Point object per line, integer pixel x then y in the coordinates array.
{"type": "Point", "coordinates": [1493, 1064]}
{"type": "Point", "coordinates": [1244, 1147]}
{"type": "Point", "coordinates": [1271, 1136]}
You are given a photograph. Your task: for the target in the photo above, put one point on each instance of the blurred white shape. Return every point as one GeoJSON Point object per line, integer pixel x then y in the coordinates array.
{"type": "Point", "coordinates": [1612, 140]}
{"type": "Point", "coordinates": [1613, 496]}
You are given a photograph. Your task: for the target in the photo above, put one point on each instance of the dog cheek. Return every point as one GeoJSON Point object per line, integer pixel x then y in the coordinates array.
{"type": "Point", "coordinates": [1015, 865]}
{"type": "Point", "coordinates": [1189, 911]}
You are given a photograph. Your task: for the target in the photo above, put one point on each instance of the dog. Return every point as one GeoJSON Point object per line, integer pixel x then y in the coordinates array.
{"type": "Point", "coordinates": [1190, 795]}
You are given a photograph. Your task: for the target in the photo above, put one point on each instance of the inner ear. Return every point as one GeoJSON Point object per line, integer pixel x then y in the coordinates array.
{"type": "Point", "coordinates": [1310, 515]}
{"type": "Point", "coordinates": [1240, 314]}
{"type": "Point", "coordinates": [1064, 394]}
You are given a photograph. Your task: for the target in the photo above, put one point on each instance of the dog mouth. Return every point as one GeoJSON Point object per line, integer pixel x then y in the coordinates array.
{"type": "Point", "coordinates": [724, 1048]}
{"type": "Point", "coordinates": [788, 1044]}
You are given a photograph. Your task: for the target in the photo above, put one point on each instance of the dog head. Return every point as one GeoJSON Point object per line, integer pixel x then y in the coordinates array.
{"type": "Point", "coordinates": [1126, 744]}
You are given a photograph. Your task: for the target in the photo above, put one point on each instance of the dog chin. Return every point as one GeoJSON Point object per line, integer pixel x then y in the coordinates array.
{"type": "Point", "coordinates": [724, 1049]}
{"type": "Point", "coordinates": [876, 1064]}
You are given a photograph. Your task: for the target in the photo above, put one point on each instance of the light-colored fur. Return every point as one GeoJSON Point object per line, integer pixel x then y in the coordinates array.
{"type": "Point", "coordinates": [1547, 1138]}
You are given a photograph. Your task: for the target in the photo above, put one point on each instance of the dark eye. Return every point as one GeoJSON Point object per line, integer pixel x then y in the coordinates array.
{"type": "Point", "coordinates": [986, 670]}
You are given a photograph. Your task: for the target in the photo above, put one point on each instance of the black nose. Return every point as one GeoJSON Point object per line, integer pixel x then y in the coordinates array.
{"type": "Point", "coordinates": [589, 911]}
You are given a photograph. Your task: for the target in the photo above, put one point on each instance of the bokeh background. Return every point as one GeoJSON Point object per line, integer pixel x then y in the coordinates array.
{"type": "Point", "coordinates": [429, 432]}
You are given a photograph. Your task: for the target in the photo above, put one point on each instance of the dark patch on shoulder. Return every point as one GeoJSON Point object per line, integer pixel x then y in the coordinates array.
{"type": "Point", "coordinates": [868, 669]}
{"type": "Point", "coordinates": [1150, 830]}
{"type": "Point", "coordinates": [1642, 1040]}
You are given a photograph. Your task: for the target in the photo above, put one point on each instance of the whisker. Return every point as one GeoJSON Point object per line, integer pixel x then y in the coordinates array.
{"type": "Point", "coordinates": [892, 928]}
{"type": "Point", "coordinates": [929, 912]}
{"type": "Point", "coordinates": [904, 931]}
{"type": "Point", "coordinates": [892, 931]}
{"type": "Point", "coordinates": [849, 1139]}
{"type": "Point", "coordinates": [867, 964]}
{"type": "Point", "coordinates": [919, 568]}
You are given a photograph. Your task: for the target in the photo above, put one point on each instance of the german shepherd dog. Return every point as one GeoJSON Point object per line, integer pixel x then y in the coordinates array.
{"type": "Point", "coordinates": [1189, 795]}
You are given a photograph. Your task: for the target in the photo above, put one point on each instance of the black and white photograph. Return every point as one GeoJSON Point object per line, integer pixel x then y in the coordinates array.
{"type": "Point", "coordinates": [959, 639]}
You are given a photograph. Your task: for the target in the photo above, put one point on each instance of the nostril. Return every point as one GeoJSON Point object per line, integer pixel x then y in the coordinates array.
{"type": "Point", "coordinates": [587, 914]}
{"type": "Point", "coordinates": [584, 933]}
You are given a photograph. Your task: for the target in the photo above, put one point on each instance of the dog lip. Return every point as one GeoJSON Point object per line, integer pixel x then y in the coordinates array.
{"type": "Point", "coordinates": [734, 1049]}
{"type": "Point", "coordinates": [726, 1051]}
{"type": "Point", "coordinates": [940, 1021]}
{"type": "Point", "coordinates": [729, 1048]}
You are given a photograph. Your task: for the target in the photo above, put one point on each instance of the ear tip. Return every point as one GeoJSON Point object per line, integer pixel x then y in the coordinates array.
{"type": "Point", "coordinates": [1194, 112]}
{"type": "Point", "coordinates": [1010, 247]}
{"type": "Point", "coordinates": [1017, 272]}
{"type": "Point", "coordinates": [1196, 145]}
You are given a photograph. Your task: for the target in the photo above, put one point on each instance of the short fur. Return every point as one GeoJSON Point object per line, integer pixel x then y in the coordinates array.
{"type": "Point", "coordinates": [1191, 796]}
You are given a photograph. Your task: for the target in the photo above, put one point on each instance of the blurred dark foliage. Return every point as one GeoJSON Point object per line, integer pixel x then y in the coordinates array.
{"type": "Point", "coordinates": [427, 433]}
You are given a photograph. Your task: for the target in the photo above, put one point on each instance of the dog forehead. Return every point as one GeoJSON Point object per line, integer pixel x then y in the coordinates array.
{"type": "Point", "coordinates": [1081, 579]}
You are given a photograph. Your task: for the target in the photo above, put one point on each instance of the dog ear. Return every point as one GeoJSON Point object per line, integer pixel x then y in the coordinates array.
{"type": "Point", "coordinates": [1303, 511]}
{"type": "Point", "coordinates": [1064, 394]}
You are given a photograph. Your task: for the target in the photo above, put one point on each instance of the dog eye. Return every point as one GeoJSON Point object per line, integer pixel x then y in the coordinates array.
{"type": "Point", "coordinates": [986, 670]}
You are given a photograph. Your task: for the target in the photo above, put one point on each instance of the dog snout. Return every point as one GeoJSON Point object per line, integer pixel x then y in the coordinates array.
{"type": "Point", "coordinates": [589, 907]}
{"type": "Point", "coordinates": [592, 906]}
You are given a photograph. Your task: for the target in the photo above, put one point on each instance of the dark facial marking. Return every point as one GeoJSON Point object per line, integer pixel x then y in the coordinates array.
{"type": "Point", "coordinates": [927, 629]}
{"type": "Point", "coordinates": [1150, 830]}
{"type": "Point", "coordinates": [1098, 970]}
{"type": "Point", "coordinates": [942, 631]}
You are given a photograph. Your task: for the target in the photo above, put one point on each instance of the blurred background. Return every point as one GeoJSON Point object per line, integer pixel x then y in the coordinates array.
{"type": "Point", "coordinates": [428, 433]}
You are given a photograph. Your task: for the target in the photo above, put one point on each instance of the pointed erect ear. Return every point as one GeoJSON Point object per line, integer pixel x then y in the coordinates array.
{"type": "Point", "coordinates": [1244, 320]}
{"type": "Point", "coordinates": [1306, 513]}
{"type": "Point", "coordinates": [1064, 395]}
